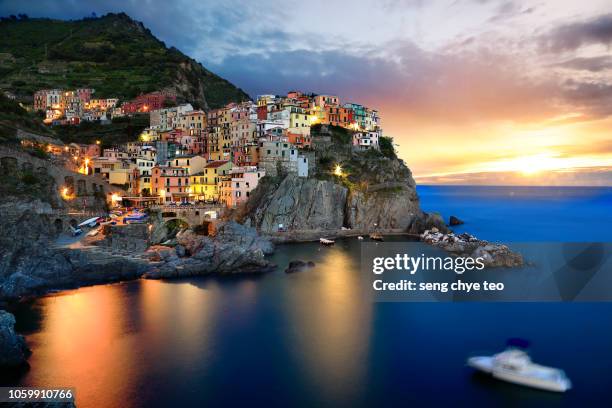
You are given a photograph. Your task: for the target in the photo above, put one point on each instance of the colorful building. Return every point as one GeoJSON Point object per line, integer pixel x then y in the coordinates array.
{"type": "Point", "coordinates": [205, 185]}
{"type": "Point", "coordinates": [236, 188]}
{"type": "Point", "coordinates": [147, 102]}
{"type": "Point", "coordinates": [170, 183]}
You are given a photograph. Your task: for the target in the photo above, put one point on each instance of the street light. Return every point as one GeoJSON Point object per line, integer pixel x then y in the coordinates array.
{"type": "Point", "coordinates": [338, 170]}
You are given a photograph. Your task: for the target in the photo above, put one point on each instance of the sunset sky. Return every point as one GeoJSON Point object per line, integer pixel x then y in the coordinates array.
{"type": "Point", "coordinates": [473, 91]}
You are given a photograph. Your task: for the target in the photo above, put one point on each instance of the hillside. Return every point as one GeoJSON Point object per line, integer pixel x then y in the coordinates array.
{"type": "Point", "coordinates": [113, 54]}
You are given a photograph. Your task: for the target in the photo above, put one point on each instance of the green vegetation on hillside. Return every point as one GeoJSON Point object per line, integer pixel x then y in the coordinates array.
{"type": "Point", "coordinates": [13, 116]}
{"type": "Point", "coordinates": [113, 54]}
{"type": "Point", "coordinates": [386, 147]}
{"type": "Point", "coordinates": [121, 130]}
{"type": "Point", "coordinates": [360, 169]}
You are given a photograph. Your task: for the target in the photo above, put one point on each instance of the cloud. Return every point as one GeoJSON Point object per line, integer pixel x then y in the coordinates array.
{"type": "Point", "coordinates": [583, 176]}
{"type": "Point", "coordinates": [592, 64]}
{"type": "Point", "coordinates": [593, 148]}
{"type": "Point", "coordinates": [593, 98]}
{"type": "Point", "coordinates": [571, 36]}
{"type": "Point", "coordinates": [461, 86]}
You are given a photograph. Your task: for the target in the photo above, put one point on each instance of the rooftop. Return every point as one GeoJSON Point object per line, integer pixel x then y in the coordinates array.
{"type": "Point", "coordinates": [216, 164]}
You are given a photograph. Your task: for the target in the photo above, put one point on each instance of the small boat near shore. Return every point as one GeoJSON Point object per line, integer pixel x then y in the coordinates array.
{"type": "Point", "coordinates": [515, 366]}
{"type": "Point", "coordinates": [376, 236]}
{"type": "Point", "coordinates": [327, 242]}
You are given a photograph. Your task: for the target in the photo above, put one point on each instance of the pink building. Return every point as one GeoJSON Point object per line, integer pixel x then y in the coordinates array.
{"type": "Point", "coordinates": [236, 188]}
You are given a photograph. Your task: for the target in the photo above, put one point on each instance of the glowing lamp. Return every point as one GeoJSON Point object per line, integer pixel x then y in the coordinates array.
{"type": "Point", "coordinates": [338, 170]}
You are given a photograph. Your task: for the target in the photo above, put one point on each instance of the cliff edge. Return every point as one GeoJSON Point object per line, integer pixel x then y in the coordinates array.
{"type": "Point", "coordinates": [371, 191]}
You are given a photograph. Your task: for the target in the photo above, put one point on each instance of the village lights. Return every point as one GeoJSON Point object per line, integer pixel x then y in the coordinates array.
{"type": "Point", "coordinates": [65, 193]}
{"type": "Point", "coordinates": [84, 169]}
{"type": "Point", "coordinates": [115, 198]}
{"type": "Point", "coordinates": [338, 170]}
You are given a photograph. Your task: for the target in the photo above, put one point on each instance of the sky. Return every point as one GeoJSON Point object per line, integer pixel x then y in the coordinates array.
{"type": "Point", "coordinates": [472, 91]}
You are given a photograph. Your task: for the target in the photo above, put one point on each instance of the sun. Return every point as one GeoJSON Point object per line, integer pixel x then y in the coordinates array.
{"type": "Point", "coordinates": [533, 165]}
{"type": "Point", "coordinates": [528, 166]}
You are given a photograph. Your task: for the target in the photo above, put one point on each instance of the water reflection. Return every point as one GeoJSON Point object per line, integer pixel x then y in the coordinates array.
{"type": "Point", "coordinates": [330, 323]}
{"type": "Point", "coordinates": [85, 343]}
{"type": "Point", "coordinates": [307, 339]}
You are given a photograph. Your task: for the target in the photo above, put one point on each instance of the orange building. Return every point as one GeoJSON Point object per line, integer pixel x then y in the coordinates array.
{"type": "Point", "coordinates": [170, 183]}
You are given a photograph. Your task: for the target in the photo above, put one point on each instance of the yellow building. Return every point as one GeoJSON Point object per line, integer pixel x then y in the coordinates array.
{"type": "Point", "coordinates": [300, 119]}
{"type": "Point", "coordinates": [122, 174]}
{"type": "Point", "coordinates": [193, 120]}
{"type": "Point", "coordinates": [205, 185]}
{"type": "Point", "coordinates": [214, 135]}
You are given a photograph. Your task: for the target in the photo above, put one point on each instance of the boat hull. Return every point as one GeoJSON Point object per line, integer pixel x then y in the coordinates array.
{"type": "Point", "coordinates": [485, 365]}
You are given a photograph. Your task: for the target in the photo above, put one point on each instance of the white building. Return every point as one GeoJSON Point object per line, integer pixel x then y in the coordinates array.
{"type": "Point", "coordinates": [366, 140]}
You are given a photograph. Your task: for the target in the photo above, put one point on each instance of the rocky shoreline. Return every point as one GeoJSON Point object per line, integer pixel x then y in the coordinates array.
{"type": "Point", "coordinates": [13, 349]}
{"type": "Point", "coordinates": [466, 245]}
{"type": "Point", "coordinates": [234, 249]}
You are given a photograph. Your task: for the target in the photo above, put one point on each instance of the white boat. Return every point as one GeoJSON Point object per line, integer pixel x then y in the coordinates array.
{"type": "Point", "coordinates": [360, 238]}
{"type": "Point", "coordinates": [75, 231]}
{"type": "Point", "coordinates": [90, 222]}
{"type": "Point", "coordinates": [325, 241]}
{"type": "Point", "coordinates": [515, 366]}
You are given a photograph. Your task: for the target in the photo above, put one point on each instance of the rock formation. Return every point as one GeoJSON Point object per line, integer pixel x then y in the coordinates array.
{"type": "Point", "coordinates": [234, 248]}
{"type": "Point", "coordinates": [466, 245]}
{"type": "Point", "coordinates": [13, 349]}
{"type": "Point", "coordinates": [452, 221]}
{"type": "Point", "coordinates": [299, 266]}
{"type": "Point", "coordinates": [307, 208]}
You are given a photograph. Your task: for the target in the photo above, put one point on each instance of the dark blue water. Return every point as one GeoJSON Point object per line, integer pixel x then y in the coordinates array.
{"type": "Point", "coordinates": [313, 338]}
{"type": "Point", "coordinates": [525, 214]}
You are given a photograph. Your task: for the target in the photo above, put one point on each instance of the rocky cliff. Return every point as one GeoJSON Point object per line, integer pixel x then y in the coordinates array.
{"type": "Point", "coordinates": [234, 248]}
{"type": "Point", "coordinates": [374, 193]}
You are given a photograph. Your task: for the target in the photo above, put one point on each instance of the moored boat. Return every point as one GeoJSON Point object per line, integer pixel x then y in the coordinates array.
{"type": "Point", "coordinates": [325, 241]}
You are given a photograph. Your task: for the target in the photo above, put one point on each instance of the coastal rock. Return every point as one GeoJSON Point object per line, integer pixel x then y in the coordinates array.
{"type": "Point", "coordinates": [301, 204]}
{"type": "Point", "coordinates": [466, 245]}
{"type": "Point", "coordinates": [180, 251]}
{"type": "Point", "coordinates": [452, 221]}
{"type": "Point", "coordinates": [306, 208]}
{"type": "Point", "coordinates": [299, 266]}
{"type": "Point", "coordinates": [428, 222]}
{"type": "Point", "coordinates": [13, 349]}
{"type": "Point", "coordinates": [390, 208]}
{"type": "Point", "coordinates": [235, 248]}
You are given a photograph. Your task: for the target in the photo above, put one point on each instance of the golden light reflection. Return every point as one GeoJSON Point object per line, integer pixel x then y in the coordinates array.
{"type": "Point", "coordinates": [334, 333]}
{"type": "Point", "coordinates": [87, 346]}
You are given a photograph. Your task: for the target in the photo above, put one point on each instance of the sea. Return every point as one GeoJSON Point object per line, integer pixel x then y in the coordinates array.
{"type": "Point", "coordinates": [313, 339]}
